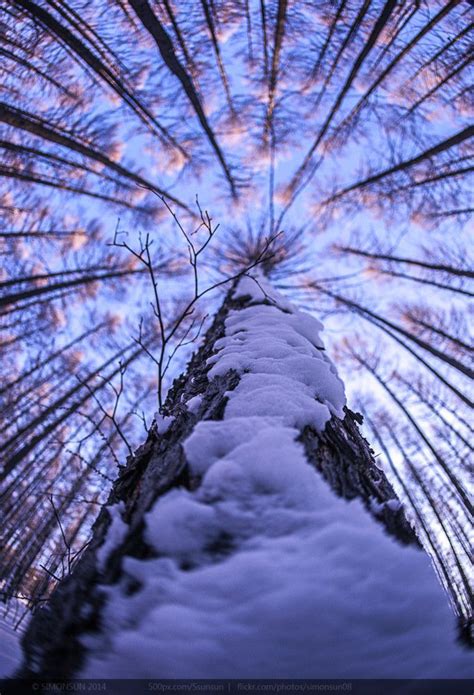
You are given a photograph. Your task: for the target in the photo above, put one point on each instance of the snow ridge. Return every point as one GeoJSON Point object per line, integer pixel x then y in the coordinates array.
{"type": "Point", "coordinates": [262, 571]}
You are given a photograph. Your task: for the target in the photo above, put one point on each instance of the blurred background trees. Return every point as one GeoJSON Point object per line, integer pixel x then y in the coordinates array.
{"type": "Point", "coordinates": [343, 124]}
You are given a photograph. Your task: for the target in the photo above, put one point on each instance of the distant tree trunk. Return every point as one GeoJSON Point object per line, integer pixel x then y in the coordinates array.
{"type": "Point", "coordinates": [52, 644]}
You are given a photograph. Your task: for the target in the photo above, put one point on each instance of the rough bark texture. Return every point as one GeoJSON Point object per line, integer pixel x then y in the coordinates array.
{"type": "Point", "coordinates": [346, 461]}
{"type": "Point", "coordinates": [52, 646]}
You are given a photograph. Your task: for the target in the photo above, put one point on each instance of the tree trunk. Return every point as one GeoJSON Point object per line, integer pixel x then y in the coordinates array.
{"type": "Point", "coordinates": [52, 644]}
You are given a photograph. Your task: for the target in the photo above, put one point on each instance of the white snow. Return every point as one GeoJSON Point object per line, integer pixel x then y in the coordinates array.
{"type": "Point", "coordinates": [263, 340]}
{"type": "Point", "coordinates": [264, 394]}
{"type": "Point", "coordinates": [255, 286]}
{"type": "Point", "coordinates": [193, 404]}
{"type": "Point", "coordinates": [249, 286]}
{"type": "Point", "coordinates": [181, 524]}
{"type": "Point", "coordinates": [163, 422]}
{"type": "Point", "coordinates": [262, 570]}
{"type": "Point", "coordinates": [212, 440]}
{"type": "Point", "coordinates": [321, 593]}
{"type": "Point", "coordinates": [115, 533]}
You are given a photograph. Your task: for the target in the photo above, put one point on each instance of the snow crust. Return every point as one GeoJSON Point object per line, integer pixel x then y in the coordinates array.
{"type": "Point", "coordinates": [262, 571]}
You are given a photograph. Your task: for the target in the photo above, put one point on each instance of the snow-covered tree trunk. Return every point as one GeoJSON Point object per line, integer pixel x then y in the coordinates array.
{"type": "Point", "coordinates": [223, 496]}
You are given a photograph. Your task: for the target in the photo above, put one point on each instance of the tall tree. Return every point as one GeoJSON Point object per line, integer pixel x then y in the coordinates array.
{"type": "Point", "coordinates": [213, 418]}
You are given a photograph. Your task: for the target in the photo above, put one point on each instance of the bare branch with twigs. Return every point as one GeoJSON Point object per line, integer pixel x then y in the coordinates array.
{"type": "Point", "coordinates": [169, 333]}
